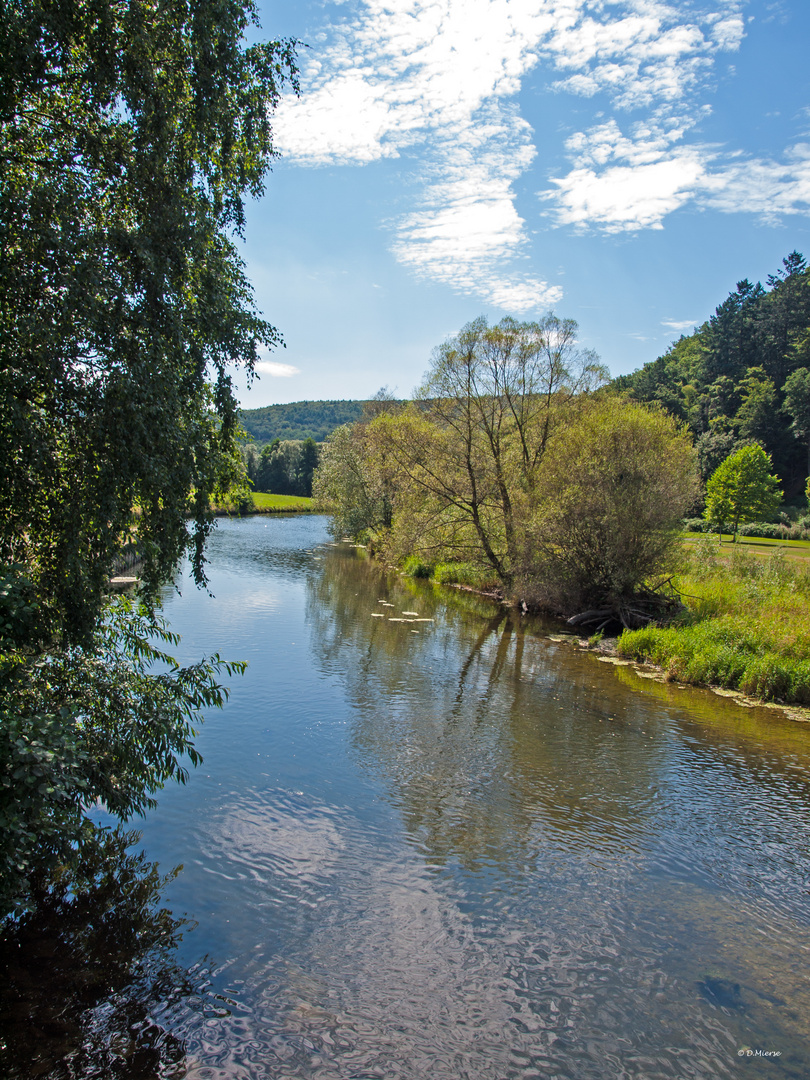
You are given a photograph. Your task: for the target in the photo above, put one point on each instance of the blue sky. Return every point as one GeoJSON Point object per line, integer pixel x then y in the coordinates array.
{"type": "Point", "coordinates": [621, 162]}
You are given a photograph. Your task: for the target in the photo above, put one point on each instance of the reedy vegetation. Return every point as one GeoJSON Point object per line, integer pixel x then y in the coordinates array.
{"type": "Point", "coordinates": [747, 626]}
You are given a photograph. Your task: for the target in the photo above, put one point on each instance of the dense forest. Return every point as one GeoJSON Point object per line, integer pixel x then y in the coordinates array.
{"type": "Point", "coordinates": [299, 420]}
{"type": "Point", "coordinates": [282, 467]}
{"type": "Point", "coordinates": [743, 376]}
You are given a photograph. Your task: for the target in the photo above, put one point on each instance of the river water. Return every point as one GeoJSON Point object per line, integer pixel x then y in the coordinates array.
{"type": "Point", "coordinates": [458, 849]}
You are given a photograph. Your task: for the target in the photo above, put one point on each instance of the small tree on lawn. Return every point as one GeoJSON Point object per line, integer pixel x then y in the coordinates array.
{"type": "Point", "coordinates": [742, 489]}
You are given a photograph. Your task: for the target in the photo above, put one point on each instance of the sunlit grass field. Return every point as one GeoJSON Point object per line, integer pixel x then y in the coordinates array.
{"type": "Point", "coordinates": [289, 503]}
{"type": "Point", "coordinates": [265, 503]}
{"type": "Point", "coordinates": [747, 624]}
{"type": "Point", "coordinates": [757, 545]}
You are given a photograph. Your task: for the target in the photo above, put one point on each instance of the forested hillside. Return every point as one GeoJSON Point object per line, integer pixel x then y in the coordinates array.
{"type": "Point", "coordinates": [744, 375]}
{"type": "Point", "coordinates": [299, 420]}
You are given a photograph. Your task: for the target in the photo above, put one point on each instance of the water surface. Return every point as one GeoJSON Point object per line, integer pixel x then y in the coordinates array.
{"type": "Point", "coordinates": [457, 849]}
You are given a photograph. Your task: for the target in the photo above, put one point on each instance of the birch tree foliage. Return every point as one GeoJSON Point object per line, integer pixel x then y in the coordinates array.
{"type": "Point", "coordinates": [131, 132]}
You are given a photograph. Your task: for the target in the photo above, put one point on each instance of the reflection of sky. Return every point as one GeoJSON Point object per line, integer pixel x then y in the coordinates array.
{"type": "Point", "coordinates": [468, 851]}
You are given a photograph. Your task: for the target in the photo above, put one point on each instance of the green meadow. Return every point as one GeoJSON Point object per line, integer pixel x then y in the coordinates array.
{"type": "Point", "coordinates": [747, 621]}
{"type": "Point", "coordinates": [261, 502]}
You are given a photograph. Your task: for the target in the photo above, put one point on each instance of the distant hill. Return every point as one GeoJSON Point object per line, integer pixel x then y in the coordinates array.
{"type": "Point", "coordinates": [299, 419]}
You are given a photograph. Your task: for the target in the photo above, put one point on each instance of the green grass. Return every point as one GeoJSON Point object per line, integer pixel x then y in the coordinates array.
{"type": "Point", "coordinates": [265, 503]}
{"type": "Point", "coordinates": [270, 503]}
{"type": "Point", "coordinates": [747, 625]}
{"type": "Point", "coordinates": [758, 545]}
{"type": "Point", "coordinates": [461, 573]}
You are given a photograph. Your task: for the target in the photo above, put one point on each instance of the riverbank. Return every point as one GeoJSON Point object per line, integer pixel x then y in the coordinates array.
{"type": "Point", "coordinates": [745, 630]}
{"type": "Point", "coordinates": [606, 650]}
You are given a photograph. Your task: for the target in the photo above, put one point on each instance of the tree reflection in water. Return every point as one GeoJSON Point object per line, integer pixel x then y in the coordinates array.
{"type": "Point", "coordinates": [83, 976]}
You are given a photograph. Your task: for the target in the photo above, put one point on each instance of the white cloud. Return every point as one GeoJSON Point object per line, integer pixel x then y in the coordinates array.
{"type": "Point", "coordinates": [278, 371]}
{"type": "Point", "coordinates": [679, 325]}
{"type": "Point", "coordinates": [466, 231]}
{"type": "Point", "coordinates": [621, 183]}
{"type": "Point", "coordinates": [437, 79]}
{"type": "Point", "coordinates": [765, 187]}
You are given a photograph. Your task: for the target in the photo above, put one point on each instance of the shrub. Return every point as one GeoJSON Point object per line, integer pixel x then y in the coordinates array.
{"type": "Point", "coordinates": [416, 568]}
{"type": "Point", "coordinates": [461, 573]}
{"type": "Point", "coordinates": [770, 531]}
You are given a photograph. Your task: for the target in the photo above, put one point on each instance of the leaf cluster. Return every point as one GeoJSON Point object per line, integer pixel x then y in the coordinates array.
{"type": "Point", "coordinates": [130, 134]}
{"type": "Point", "coordinates": [738, 377]}
{"type": "Point", "coordinates": [109, 722]}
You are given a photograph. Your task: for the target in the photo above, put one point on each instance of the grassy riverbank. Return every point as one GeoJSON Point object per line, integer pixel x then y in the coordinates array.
{"type": "Point", "coordinates": [264, 503]}
{"type": "Point", "coordinates": [747, 625]}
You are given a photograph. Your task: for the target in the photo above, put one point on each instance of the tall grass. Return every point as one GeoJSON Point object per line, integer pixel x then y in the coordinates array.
{"type": "Point", "coordinates": [747, 626]}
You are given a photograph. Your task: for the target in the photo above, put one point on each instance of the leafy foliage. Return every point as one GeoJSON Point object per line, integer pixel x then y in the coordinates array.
{"type": "Point", "coordinates": [608, 502]}
{"type": "Point", "coordinates": [742, 489]}
{"type": "Point", "coordinates": [130, 134]}
{"type": "Point", "coordinates": [464, 459]}
{"type": "Point", "coordinates": [348, 486]}
{"type": "Point", "coordinates": [86, 724]}
{"type": "Point", "coordinates": [511, 465]}
{"type": "Point", "coordinates": [732, 380]}
{"type": "Point", "coordinates": [283, 467]}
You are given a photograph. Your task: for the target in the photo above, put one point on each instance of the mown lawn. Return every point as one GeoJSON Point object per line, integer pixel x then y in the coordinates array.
{"type": "Point", "coordinates": [747, 625]}
{"type": "Point", "coordinates": [265, 503]}
{"type": "Point", "coordinates": [757, 545]}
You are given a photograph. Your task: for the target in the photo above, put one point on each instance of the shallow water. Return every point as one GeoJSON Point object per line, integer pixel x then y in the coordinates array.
{"type": "Point", "coordinates": [458, 849]}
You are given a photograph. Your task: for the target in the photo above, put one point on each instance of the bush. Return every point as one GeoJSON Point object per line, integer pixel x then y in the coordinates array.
{"type": "Point", "coordinates": [416, 568]}
{"type": "Point", "coordinates": [698, 525]}
{"type": "Point", "coordinates": [609, 496]}
{"type": "Point", "coordinates": [461, 573]}
{"type": "Point", "coordinates": [769, 531]}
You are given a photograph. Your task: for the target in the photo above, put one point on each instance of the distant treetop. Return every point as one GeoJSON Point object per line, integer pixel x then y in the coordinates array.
{"type": "Point", "coordinates": [299, 420]}
{"type": "Point", "coordinates": [736, 379]}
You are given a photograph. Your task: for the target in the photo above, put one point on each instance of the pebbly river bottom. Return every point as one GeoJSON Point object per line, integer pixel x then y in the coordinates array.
{"type": "Point", "coordinates": [454, 848]}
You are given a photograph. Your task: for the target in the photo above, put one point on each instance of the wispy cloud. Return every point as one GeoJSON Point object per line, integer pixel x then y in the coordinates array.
{"type": "Point", "coordinates": [466, 231]}
{"type": "Point", "coordinates": [276, 370]}
{"type": "Point", "coordinates": [438, 79]}
{"type": "Point", "coordinates": [679, 325]}
{"type": "Point", "coordinates": [621, 184]}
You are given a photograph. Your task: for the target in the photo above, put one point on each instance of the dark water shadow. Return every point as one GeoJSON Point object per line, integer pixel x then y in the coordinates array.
{"type": "Point", "coordinates": [83, 976]}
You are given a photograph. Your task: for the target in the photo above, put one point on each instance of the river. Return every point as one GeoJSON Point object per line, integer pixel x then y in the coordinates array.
{"type": "Point", "coordinates": [454, 848]}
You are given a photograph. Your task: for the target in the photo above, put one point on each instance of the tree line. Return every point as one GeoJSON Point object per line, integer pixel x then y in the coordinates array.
{"type": "Point", "coordinates": [282, 467]}
{"type": "Point", "coordinates": [298, 420]}
{"type": "Point", "coordinates": [743, 377]}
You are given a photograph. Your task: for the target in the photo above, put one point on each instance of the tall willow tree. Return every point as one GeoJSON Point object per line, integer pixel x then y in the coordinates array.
{"type": "Point", "coordinates": [130, 133]}
{"type": "Point", "coordinates": [469, 451]}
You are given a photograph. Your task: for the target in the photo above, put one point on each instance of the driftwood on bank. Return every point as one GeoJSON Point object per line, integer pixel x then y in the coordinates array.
{"type": "Point", "coordinates": [642, 608]}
